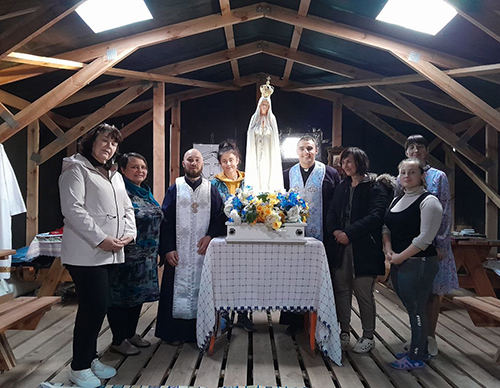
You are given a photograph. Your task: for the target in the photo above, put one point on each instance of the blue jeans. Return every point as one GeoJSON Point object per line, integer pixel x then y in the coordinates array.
{"type": "Point", "coordinates": [413, 281]}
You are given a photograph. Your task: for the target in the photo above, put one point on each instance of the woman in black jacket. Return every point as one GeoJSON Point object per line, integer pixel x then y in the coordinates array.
{"type": "Point", "coordinates": [355, 220]}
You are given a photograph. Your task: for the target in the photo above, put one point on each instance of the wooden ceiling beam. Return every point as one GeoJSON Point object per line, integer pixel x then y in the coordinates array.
{"type": "Point", "coordinates": [344, 70]}
{"type": "Point", "coordinates": [168, 33]}
{"type": "Point", "coordinates": [225, 8]}
{"type": "Point", "coordinates": [172, 70]}
{"type": "Point", "coordinates": [455, 90]}
{"type": "Point", "coordinates": [433, 126]}
{"type": "Point", "coordinates": [90, 122]}
{"type": "Point", "coordinates": [137, 124]}
{"type": "Point", "coordinates": [485, 187]}
{"type": "Point", "coordinates": [34, 24]}
{"type": "Point", "coordinates": [65, 89]}
{"type": "Point", "coordinates": [392, 133]}
{"type": "Point", "coordinates": [296, 35]}
{"type": "Point", "coordinates": [483, 14]}
{"type": "Point", "coordinates": [402, 79]}
{"type": "Point", "coordinates": [159, 35]}
{"type": "Point", "coordinates": [7, 116]}
{"type": "Point", "coordinates": [357, 35]}
{"type": "Point", "coordinates": [138, 75]}
{"type": "Point", "coordinates": [49, 119]}
{"type": "Point", "coordinates": [20, 12]}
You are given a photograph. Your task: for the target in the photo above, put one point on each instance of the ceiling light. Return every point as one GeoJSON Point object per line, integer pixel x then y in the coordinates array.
{"type": "Point", "coordinates": [103, 15]}
{"type": "Point", "coordinates": [428, 16]}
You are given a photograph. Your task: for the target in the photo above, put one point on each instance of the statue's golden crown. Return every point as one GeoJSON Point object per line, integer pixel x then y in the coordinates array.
{"type": "Point", "coordinates": [266, 90]}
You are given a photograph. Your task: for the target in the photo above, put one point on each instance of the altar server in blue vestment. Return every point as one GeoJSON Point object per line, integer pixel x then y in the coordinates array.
{"type": "Point", "coordinates": [315, 183]}
{"type": "Point", "coordinates": [193, 211]}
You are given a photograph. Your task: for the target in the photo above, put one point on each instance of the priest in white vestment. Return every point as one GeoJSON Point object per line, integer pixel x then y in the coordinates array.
{"type": "Point", "coordinates": [11, 203]}
{"type": "Point", "coordinates": [193, 211]}
{"type": "Point", "coordinates": [263, 170]}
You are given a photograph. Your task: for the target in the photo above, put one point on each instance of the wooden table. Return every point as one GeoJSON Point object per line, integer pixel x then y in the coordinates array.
{"type": "Point", "coordinates": [470, 254]}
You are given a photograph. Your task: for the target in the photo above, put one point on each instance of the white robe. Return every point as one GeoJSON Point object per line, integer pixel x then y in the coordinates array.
{"type": "Point", "coordinates": [11, 203]}
{"type": "Point", "coordinates": [263, 170]}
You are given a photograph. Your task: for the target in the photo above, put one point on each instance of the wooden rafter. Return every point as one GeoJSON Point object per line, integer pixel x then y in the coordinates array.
{"type": "Point", "coordinates": [296, 35]}
{"type": "Point", "coordinates": [49, 119]}
{"type": "Point", "coordinates": [7, 116]}
{"type": "Point", "coordinates": [432, 125]}
{"type": "Point", "coordinates": [391, 132]}
{"type": "Point", "coordinates": [355, 73]}
{"type": "Point", "coordinates": [225, 8]}
{"type": "Point", "coordinates": [131, 74]}
{"type": "Point", "coordinates": [20, 12]}
{"type": "Point", "coordinates": [168, 33]}
{"type": "Point", "coordinates": [342, 31]}
{"type": "Point", "coordinates": [172, 70]}
{"type": "Point", "coordinates": [89, 122]}
{"type": "Point", "coordinates": [156, 36]}
{"type": "Point", "coordinates": [455, 90]}
{"type": "Point", "coordinates": [483, 14]}
{"type": "Point", "coordinates": [34, 24]}
{"type": "Point", "coordinates": [486, 188]}
{"type": "Point", "coordinates": [402, 79]}
{"type": "Point", "coordinates": [61, 92]}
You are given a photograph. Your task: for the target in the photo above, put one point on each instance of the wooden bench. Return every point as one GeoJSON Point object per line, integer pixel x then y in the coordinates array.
{"type": "Point", "coordinates": [23, 313]}
{"type": "Point", "coordinates": [483, 310]}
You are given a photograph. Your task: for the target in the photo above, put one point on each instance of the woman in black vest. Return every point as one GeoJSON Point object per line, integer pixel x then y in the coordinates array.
{"type": "Point", "coordinates": [411, 223]}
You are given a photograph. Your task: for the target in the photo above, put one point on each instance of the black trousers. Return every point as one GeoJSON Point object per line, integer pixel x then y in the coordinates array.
{"type": "Point", "coordinates": [123, 322]}
{"type": "Point", "coordinates": [92, 287]}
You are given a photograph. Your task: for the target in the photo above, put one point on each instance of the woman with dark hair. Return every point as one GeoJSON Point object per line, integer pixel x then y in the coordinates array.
{"type": "Point", "coordinates": [226, 183]}
{"type": "Point", "coordinates": [355, 219]}
{"type": "Point", "coordinates": [411, 224]}
{"type": "Point", "coordinates": [136, 281]}
{"type": "Point", "coordinates": [446, 280]}
{"type": "Point", "coordinates": [98, 223]}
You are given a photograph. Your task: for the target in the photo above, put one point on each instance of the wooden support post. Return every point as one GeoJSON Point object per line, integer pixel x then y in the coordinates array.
{"type": "Point", "coordinates": [175, 141]}
{"type": "Point", "coordinates": [450, 163]}
{"type": "Point", "coordinates": [32, 182]}
{"type": "Point", "coordinates": [71, 149]}
{"type": "Point", "coordinates": [159, 141]}
{"type": "Point", "coordinates": [492, 180]}
{"type": "Point", "coordinates": [337, 123]}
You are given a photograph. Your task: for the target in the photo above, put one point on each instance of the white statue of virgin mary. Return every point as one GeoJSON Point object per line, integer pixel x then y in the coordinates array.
{"type": "Point", "coordinates": [263, 170]}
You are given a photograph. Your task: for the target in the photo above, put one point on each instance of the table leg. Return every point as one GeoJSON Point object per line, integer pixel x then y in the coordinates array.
{"type": "Point", "coordinates": [471, 259]}
{"type": "Point", "coordinates": [211, 346]}
{"type": "Point", "coordinates": [7, 359]}
{"type": "Point", "coordinates": [52, 279]}
{"type": "Point", "coordinates": [313, 316]}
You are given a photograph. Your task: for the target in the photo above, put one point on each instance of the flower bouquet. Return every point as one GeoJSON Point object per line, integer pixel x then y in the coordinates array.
{"type": "Point", "coordinates": [270, 209]}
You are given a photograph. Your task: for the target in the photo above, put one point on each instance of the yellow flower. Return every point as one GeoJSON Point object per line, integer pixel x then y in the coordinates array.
{"type": "Point", "coordinates": [276, 225]}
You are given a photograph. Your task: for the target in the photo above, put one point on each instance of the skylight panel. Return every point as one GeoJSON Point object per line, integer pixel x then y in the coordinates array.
{"type": "Point", "coordinates": [428, 16]}
{"type": "Point", "coordinates": [103, 15]}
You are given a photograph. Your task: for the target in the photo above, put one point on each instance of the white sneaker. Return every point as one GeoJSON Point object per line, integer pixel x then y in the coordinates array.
{"type": "Point", "coordinates": [364, 345]}
{"type": "Point", "coordinates": [84, 378]}
{"type": "Point", "coordinates": [432, 346]}
{"type": "Point", "coordinates": [101, 370]}
{"type": "Point", "coordinates": [345, 339]}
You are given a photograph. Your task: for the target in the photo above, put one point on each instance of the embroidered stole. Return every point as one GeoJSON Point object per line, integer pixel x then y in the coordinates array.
{"type": "Point", "coordinates": [192, 222]}
{"type": "Point", "coordinates": [312, 193]}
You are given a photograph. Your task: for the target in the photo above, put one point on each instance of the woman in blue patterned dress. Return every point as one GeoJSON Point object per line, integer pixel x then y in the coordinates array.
{"type": "Point", "coordinates": [446, 280]}
{"type": "Point", "coordinates": [136, 281]}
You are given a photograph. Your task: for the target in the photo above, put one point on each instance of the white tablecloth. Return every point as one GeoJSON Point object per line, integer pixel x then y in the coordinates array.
{"type": "Point", "coordinates": [44, 245]}
{"type": "Point", "coordinates": [259, 277]}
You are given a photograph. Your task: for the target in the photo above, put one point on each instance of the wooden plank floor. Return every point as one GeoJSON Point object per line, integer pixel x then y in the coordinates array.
{"type": "Point", "coordinates": [267, 357]}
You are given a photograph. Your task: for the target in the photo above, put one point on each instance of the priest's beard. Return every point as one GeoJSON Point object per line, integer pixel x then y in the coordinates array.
{"type": "Point", "coordinates": [193, 174]}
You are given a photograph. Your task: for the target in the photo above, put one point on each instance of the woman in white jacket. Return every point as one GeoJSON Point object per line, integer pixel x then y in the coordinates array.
{"type": "Point", "coordinates": [98, 222]}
